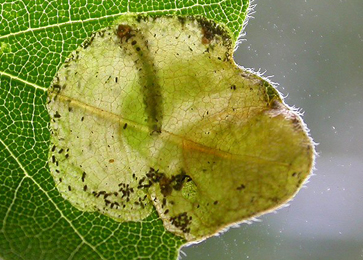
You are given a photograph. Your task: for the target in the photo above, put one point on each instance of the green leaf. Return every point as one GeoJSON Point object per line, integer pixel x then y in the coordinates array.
{"type": "Point", "coordinates": [154, 112]}
{"type": "Point", "coordinates": [187, 145]}
{"type": "Point", "coordinates": [36, 222]}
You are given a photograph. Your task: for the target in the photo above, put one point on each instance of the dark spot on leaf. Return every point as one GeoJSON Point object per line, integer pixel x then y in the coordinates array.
{"type": "Point", "coordinates": [124, 32]}
{"type": "Point", "coordinates": [181, 221]}
{"type": "Point", "coordinates": [177, 181]}
{"type": "Point", "coordinates": [241, 187]}
{"type": "Point", "coordinates": [182, 20]}
{"type": "Point", "coordinates": [57, 115]}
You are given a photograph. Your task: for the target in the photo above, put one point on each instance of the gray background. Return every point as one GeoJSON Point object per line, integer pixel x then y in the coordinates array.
{"type": "Point", "coordinates": [314, 49]}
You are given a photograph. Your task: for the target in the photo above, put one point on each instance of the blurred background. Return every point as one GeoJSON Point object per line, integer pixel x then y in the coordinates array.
{"type": "Point", "coordinates": [314, 49]}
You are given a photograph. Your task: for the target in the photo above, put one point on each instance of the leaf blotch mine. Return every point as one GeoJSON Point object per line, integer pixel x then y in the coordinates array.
{"type": "Point", "coordinates": [153, 113]}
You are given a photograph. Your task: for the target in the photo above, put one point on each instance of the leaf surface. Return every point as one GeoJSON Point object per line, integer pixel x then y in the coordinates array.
{"type": "Point", "coordinates": [36, 221]}
{"type": "Point", "coordinates": [154, 112]}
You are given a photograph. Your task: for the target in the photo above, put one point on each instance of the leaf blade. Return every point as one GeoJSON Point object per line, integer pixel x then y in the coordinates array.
{"type": "Point", "coordinates": [35, 38]}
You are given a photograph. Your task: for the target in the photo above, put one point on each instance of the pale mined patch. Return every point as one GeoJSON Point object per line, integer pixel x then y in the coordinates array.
{"type": "Point", "coordinates": [154, 112]}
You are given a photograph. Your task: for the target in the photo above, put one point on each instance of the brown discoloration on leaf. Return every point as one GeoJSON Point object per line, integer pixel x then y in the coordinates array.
{"type": "Point", "coordinates": [124, 32]}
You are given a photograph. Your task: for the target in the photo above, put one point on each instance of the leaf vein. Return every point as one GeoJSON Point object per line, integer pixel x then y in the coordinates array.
{"type": "Point", "coordinates": [70, 22]}
{"type": "Point", "coordinates": [23, 81]}
{"type": "Point", "coordinates": [49, 198]}
{"type": "Point", "coordinates": [12, 202]}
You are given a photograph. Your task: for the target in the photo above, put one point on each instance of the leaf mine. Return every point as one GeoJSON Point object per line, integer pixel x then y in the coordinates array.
{"type": "Point", "coordinates": [153, 112]}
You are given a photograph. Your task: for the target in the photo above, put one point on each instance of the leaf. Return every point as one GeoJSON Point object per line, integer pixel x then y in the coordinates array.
{"type": "Point", "coordinates": [153, 112]}
{"type": "Point", "coordinates": [37, 222]}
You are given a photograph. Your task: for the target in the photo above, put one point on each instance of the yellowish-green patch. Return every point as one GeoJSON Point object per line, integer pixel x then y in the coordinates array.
{"type": "Point", "coordinates": [153, 112]}
{"type": "Point", "coordinates": [4, 48]}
